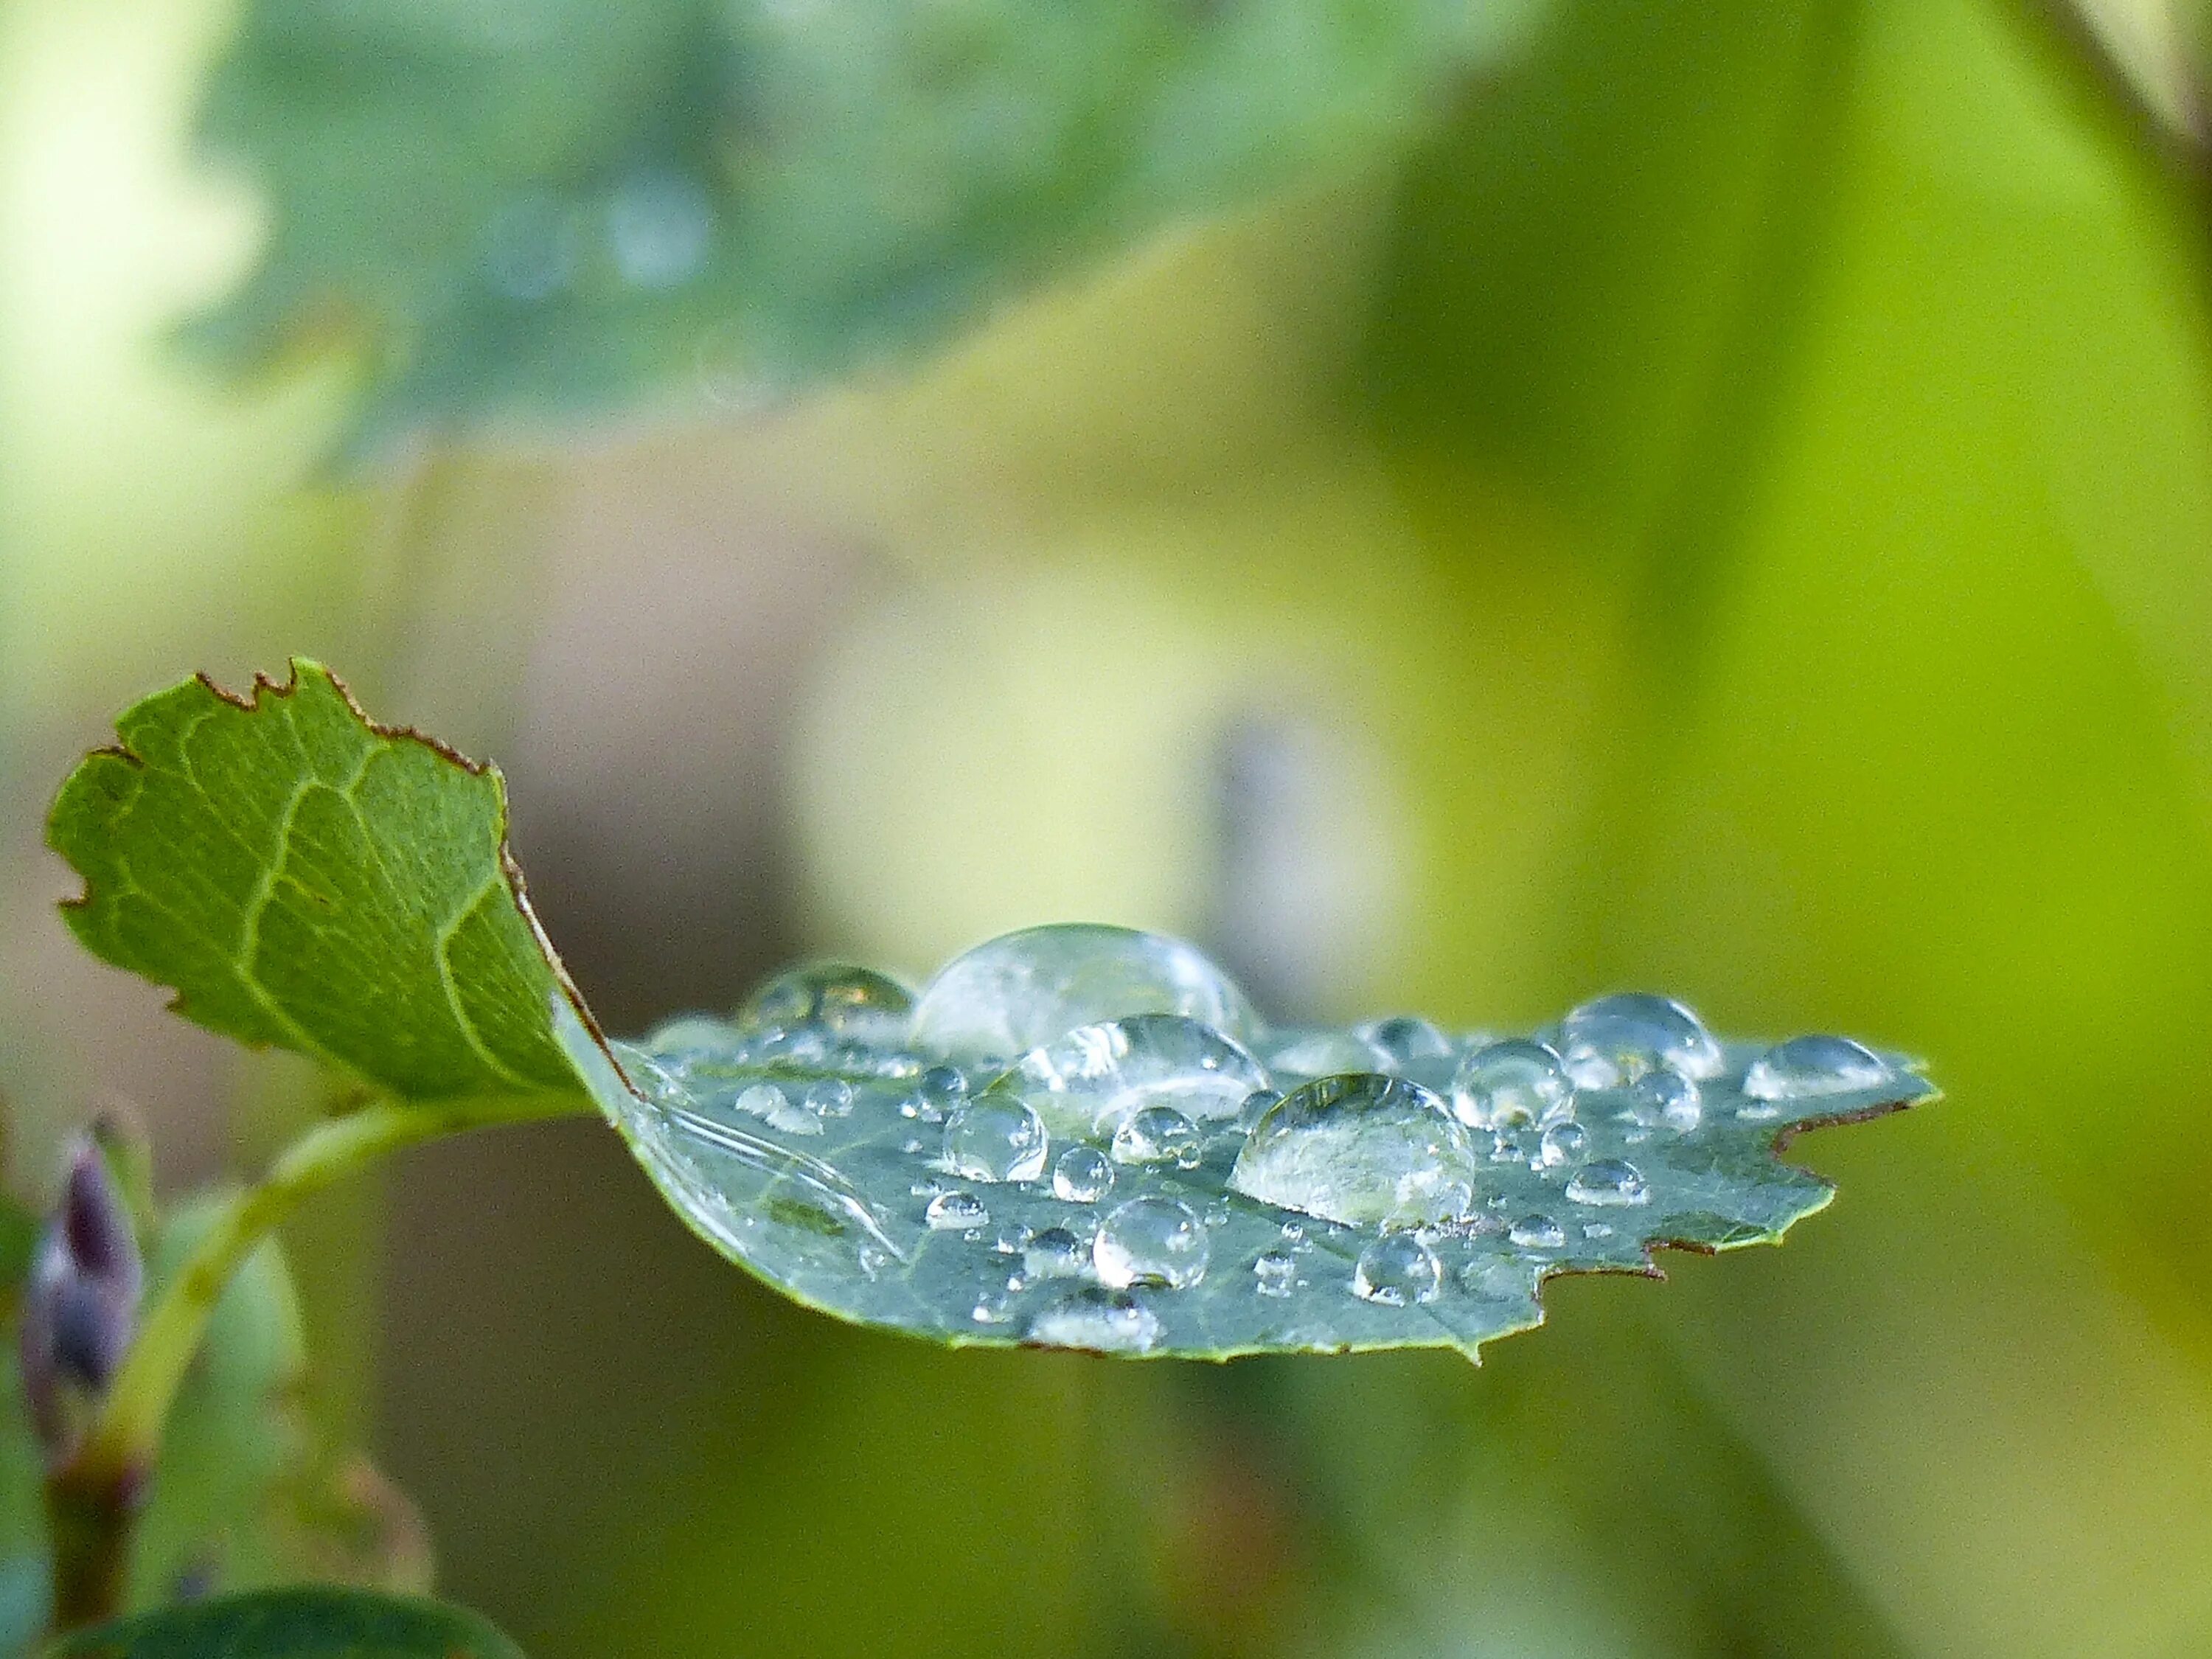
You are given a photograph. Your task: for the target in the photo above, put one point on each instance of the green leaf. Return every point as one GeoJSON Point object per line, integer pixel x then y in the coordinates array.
{"type": "Point", "coordinates": [558, 209]}
{"type": "Point", "coordinates": [812, 1145]}
{"type": "Point", "coordinates": [307, 879]}
{"type": "Point", "coordinates": [297, 1623]}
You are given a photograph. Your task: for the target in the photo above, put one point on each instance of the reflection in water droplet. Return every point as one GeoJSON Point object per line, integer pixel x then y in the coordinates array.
{"type": "Point", "coordinates": [994, 1137]}
{"type": "Point", "coordinates": [1397, 1269]}
{"type": "Point", "coordinates": [1083, 1175]}
{"type": "Point", "coordinates": [1812, 1066]}
{"type": "Point", "coordinates": [1095, 1076]}
{"type": "Point", "coordinates": [955, 1211]}
{"type": "Point", "coordinates": [1025, 990]}
{"type": "Point", "coordinates": [659, 224]}
{"type": "Point", "coordinates": [1257, 1105]}
{"type": "Point", "coordinates": [773, 1107]}
{"type": "Point", "coordinates": [1055, 1253]}
{"type": "Point", "coordinates": [1157, 1134]}
{"type": "Point", "coordinates": [833, 997]}
{"type": "Point", "coordinates": [1609, 1180]}
{"type": "Point", "coordinates": [1563, 1143]}
{"type": "Point", "coordinates": [1108, 1322]}
{"type": "Point", "coordinates": [1274, 1272]}
{"type": "Point", "coordinates": [1150, 1241]}
{"type": "Point", "coordinates": [1362, 1150]}
{"type": "Point", "coordinates": [1509, 1083]}
{"type": "Point", "coordinates": [1666, 1098]}
{"type": "Point", "coordinates": [1617, 1039]}
{"type": "Point", "coordinates": [1537, 1232]}
{"type": "Point", "coordinates": [1406, 1039]}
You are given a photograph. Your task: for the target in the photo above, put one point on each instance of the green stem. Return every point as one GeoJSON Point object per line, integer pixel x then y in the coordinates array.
{"type": "Point", "coordinates": [94, 1498]}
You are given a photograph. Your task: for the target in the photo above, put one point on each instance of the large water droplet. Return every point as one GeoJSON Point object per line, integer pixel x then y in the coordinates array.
{"type": "Point", "coordinates": [1509, 1083]}
{"type": "Point", "coordinates": [1150, 1241]}
{"type": "Point", "coordinates": [1609, 1180]}
{"type": "Point", "coordinates": [1537, 1232]}
{"type": "Point", "coordinates": [1055, 1253]}
{"type": "Point", "coordinates": [1362, 1149]}
{"type": "Point", "coordinates": [1811, 1065]}
{"type": "Point", "coordinates": [833, 997]}
{"type": "Point", "coordinates": [994, 1137]}
{"type": "Point", "coordinates": [1397, 1270]}
{"type": "Point", "coordinates": [1157, 1134]}
{"type": "Point", "coordinates": [1617, 1039]}
{"type": "Point", "coordinates": [1274, 1273]}
{"type": "Point", "coordinates": [1095, 1076]}
{"type": "Point", "coordinates": [950, 1213]}
{"type": "Point", "coordinates": [1106, 1321]}
{"type": "Point", "coordinates": [1083, 1175]}
{"type": "Point", "coordinates": [1025, 990]}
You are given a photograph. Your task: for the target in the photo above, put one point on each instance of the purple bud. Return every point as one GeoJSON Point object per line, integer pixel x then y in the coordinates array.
{"type": "Point", "coordinates": [80, 1305]}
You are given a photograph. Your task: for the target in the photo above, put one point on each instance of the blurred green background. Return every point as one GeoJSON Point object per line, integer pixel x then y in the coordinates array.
{"type": "Point", "coordinates": [1730, 510]}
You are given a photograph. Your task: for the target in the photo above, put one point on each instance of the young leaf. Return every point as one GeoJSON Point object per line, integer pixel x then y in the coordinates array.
{"type": "Point", "coordinates": [577, 208]}
{"type": "Point", "coordinates": [297, 1623]}
{"type": "Point", "coordinates": [1131, 1184]}
{"type": "Point", "coordinates": [306, 878]}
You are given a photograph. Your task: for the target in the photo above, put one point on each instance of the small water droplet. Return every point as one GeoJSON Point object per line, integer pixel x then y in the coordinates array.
{"type": "Point", "coordinates": [832, 996]}
{"type": "Point", "coordinates": [1157, 1134]}
{"type": "Point", "coordinates": [1537, 1232]}
{"type": "Point", "coordinates": [1512, 1082]}
{"type": "Point", "coordinates": [1083, 1175]}
{"type": "Point", "coordinates": [872, 1259]}
{"type": "Point", "coordinates": [1362, 1149]}
{"type": "Point", "coordinates": [1104, 1320]}
{"type": "Point", "coordinates": [1150, 1241]}
{"type": "Point", "coordinates": [990, 1308]}
{"type": "Point", "coordinates": [1274, 1272]}
{"type": "Point", "coordinates": [1597, 1230]}
{"type": "Point", "coordinates": [1397, 1270]}
{"type": "Point", "coordinates": [1515, 1147]}
{"type": "Point", "coordinates": [1294, 1232]}
{"type": "Point", "coordinates": [1406, 1039]}
{"type": "Point", "coordinates": [1808, 1067]}
{"type": "Point", "coordinates": [1025, 990]}
{"type": "Point", "coordinates": [994, 1137]}
{"type": "Point", "coordinates": [1617, 1039]}
{"type": "Point", "coordinates": [1013, 1239]}
{"type": "Point", "coordinates": [1055, 1253]}
{"type": "Point", "coordinates": [1218, 1213]}
{"type": "Point", "coordinates": [773, 1107]}
{"type": "Point", "coordinates": [953, 1212]}
{"type": "Point", "coordinates": [1666, 1098]}
{"type": "Point", "coordinates": [911, 1146]}
{"type": "Point", "coordinates": [1563, 1143]}
{"type": "Point", "coordinates": [831, 1097]}
{"type": "Point", "coordinates": [1609, 1180]}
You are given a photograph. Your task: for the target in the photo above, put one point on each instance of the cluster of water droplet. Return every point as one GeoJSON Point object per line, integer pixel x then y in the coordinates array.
{"type": "Point", "coordinates": [1098, 1068]}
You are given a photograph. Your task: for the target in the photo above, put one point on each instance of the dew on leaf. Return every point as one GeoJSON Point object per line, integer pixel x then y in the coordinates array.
{"type": "Point", "coordinates": [1362, 1149]}
{"type": "Point", "coordinates": [1609, 1180]}
{"type": "Point", "coordinates": [1104, 1320]}
{"type": "Point", "coordinates": [1094, 1077]}
{"type": "Point", "coordinates": [1083, 1175]}
{"type": "Point", "coordinates": [1055, 1253]}
{"type": "Point", "coordinates": [1405, 1039]}
{"type": "Point", "coordinates": [1150, 1241]}
{"type": "Point", "coordinates": [1157, 1134]}
{"type": "Point", "coordinates": [1397, 1270]}
{"type": "Point", "coordinates": [831, 1097]}
{"type": "Point", "coordinates": [1562, 1144]}
{"type": "Point", "coordinates": [1322, 1053]}
{"type": "Point", "coordinates": [1617, 1039]}
{"type": "Point", "coordinates": [955, 1211]}
{"type": "Point", "coordinates": [994, 1138]}
{"type": "Point", "coordinates": [773, 1107]}
{"type": "Point", "coordinates": [1513, 1082]}
{"type": "Point", "coordinates": [1026, 990]}
{"type": "Point", "coordinates": [1808, 1067]}
{"type": "Point", "coordinates": [1666, 1099]}
{"type": "Point", "coordinates": [1537, 1232]}
{"type": "Point", "coordinates": [1274, 1272]}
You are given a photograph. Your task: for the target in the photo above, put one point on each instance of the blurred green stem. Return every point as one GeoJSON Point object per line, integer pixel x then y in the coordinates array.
{"type": "Point", "coordinates": [93, 1497]}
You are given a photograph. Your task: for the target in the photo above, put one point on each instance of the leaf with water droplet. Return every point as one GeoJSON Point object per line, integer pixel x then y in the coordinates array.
{"type": "Point", "coordinates": [1352, 1212]}
{"type": "Point", "coordinates": [538, 212]}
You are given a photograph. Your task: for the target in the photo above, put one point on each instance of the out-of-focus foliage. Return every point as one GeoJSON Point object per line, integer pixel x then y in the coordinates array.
{"type": "Point", "coordinates": [297, 1623]}
{"type": "Point", "coordinates": [556, 209]}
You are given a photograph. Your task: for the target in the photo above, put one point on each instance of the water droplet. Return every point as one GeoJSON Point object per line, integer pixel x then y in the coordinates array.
{"type": "Point", "coordinates": [1105, 1321]}
{"type": "Point", "coordinates": [833, 997]}
{"type": "Point", "coordinates": [1026, 990]}
{"type": "Point", "coordinates": [994, 1137]}
{"type": "Point", "coordinates": [832, 1097]}
{"type": "Point", "coordinates": [1609, 1180]}
{"type": "Point", "coordinates": [1011, 1240]}
{"type": "Point", "coordinates": [771, 1105]}
{"type": "Point", "coordinates": [1617, 1039]}
{"type": "Point", "coordinates": [955, 1211]}
{"type": "Point", "coordinates": [1406, 1039]}
{"type": "Point", "coordinates": [1597, 1229]}
{"type": "Point", "coordinates": [1563, 1143]}
{"type": "Point", "coordinates": [990, 1308]}
{"type": "Point", "coordinates": [1537, 1232]}
{"type": "Point", "coordinates": [659, 225]}
{"type": "Point", "coordinates": [872, 1259]}
{"type": "Point", "coordinates": [1150, 1241]}
{"type": "Point", "coordinates": [1397, 1270]}
{"type": "Point", "coordinates": [1157, 1134]}
{"type": "Point", "coordinates": [1361, 1150]}
{"type": "Point", "coordinates": [1508, 1083]}
{"type": "Point", "coordinates": [1083, 1175]}
{"type": "Point", "coordinates": [1669, 1098]}
{"type": "Point", "coordinates": [1274, 1272]}
{"type": "Point", "coordinates": [1812, 1066]}
{"type": "Point", "coordinates": [1055, 1253]}
{"type": "Point", "coordinates": [1257, 1105]}
{"type": "Point", "coordinates": [1323, 1053]}
{"type": "Point", "coordinates": [686, 1035]}
{"type": "Point", "coordinates": [1095, 1076]}
{"type": "Point", "coordinates": [1515, 1147]}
